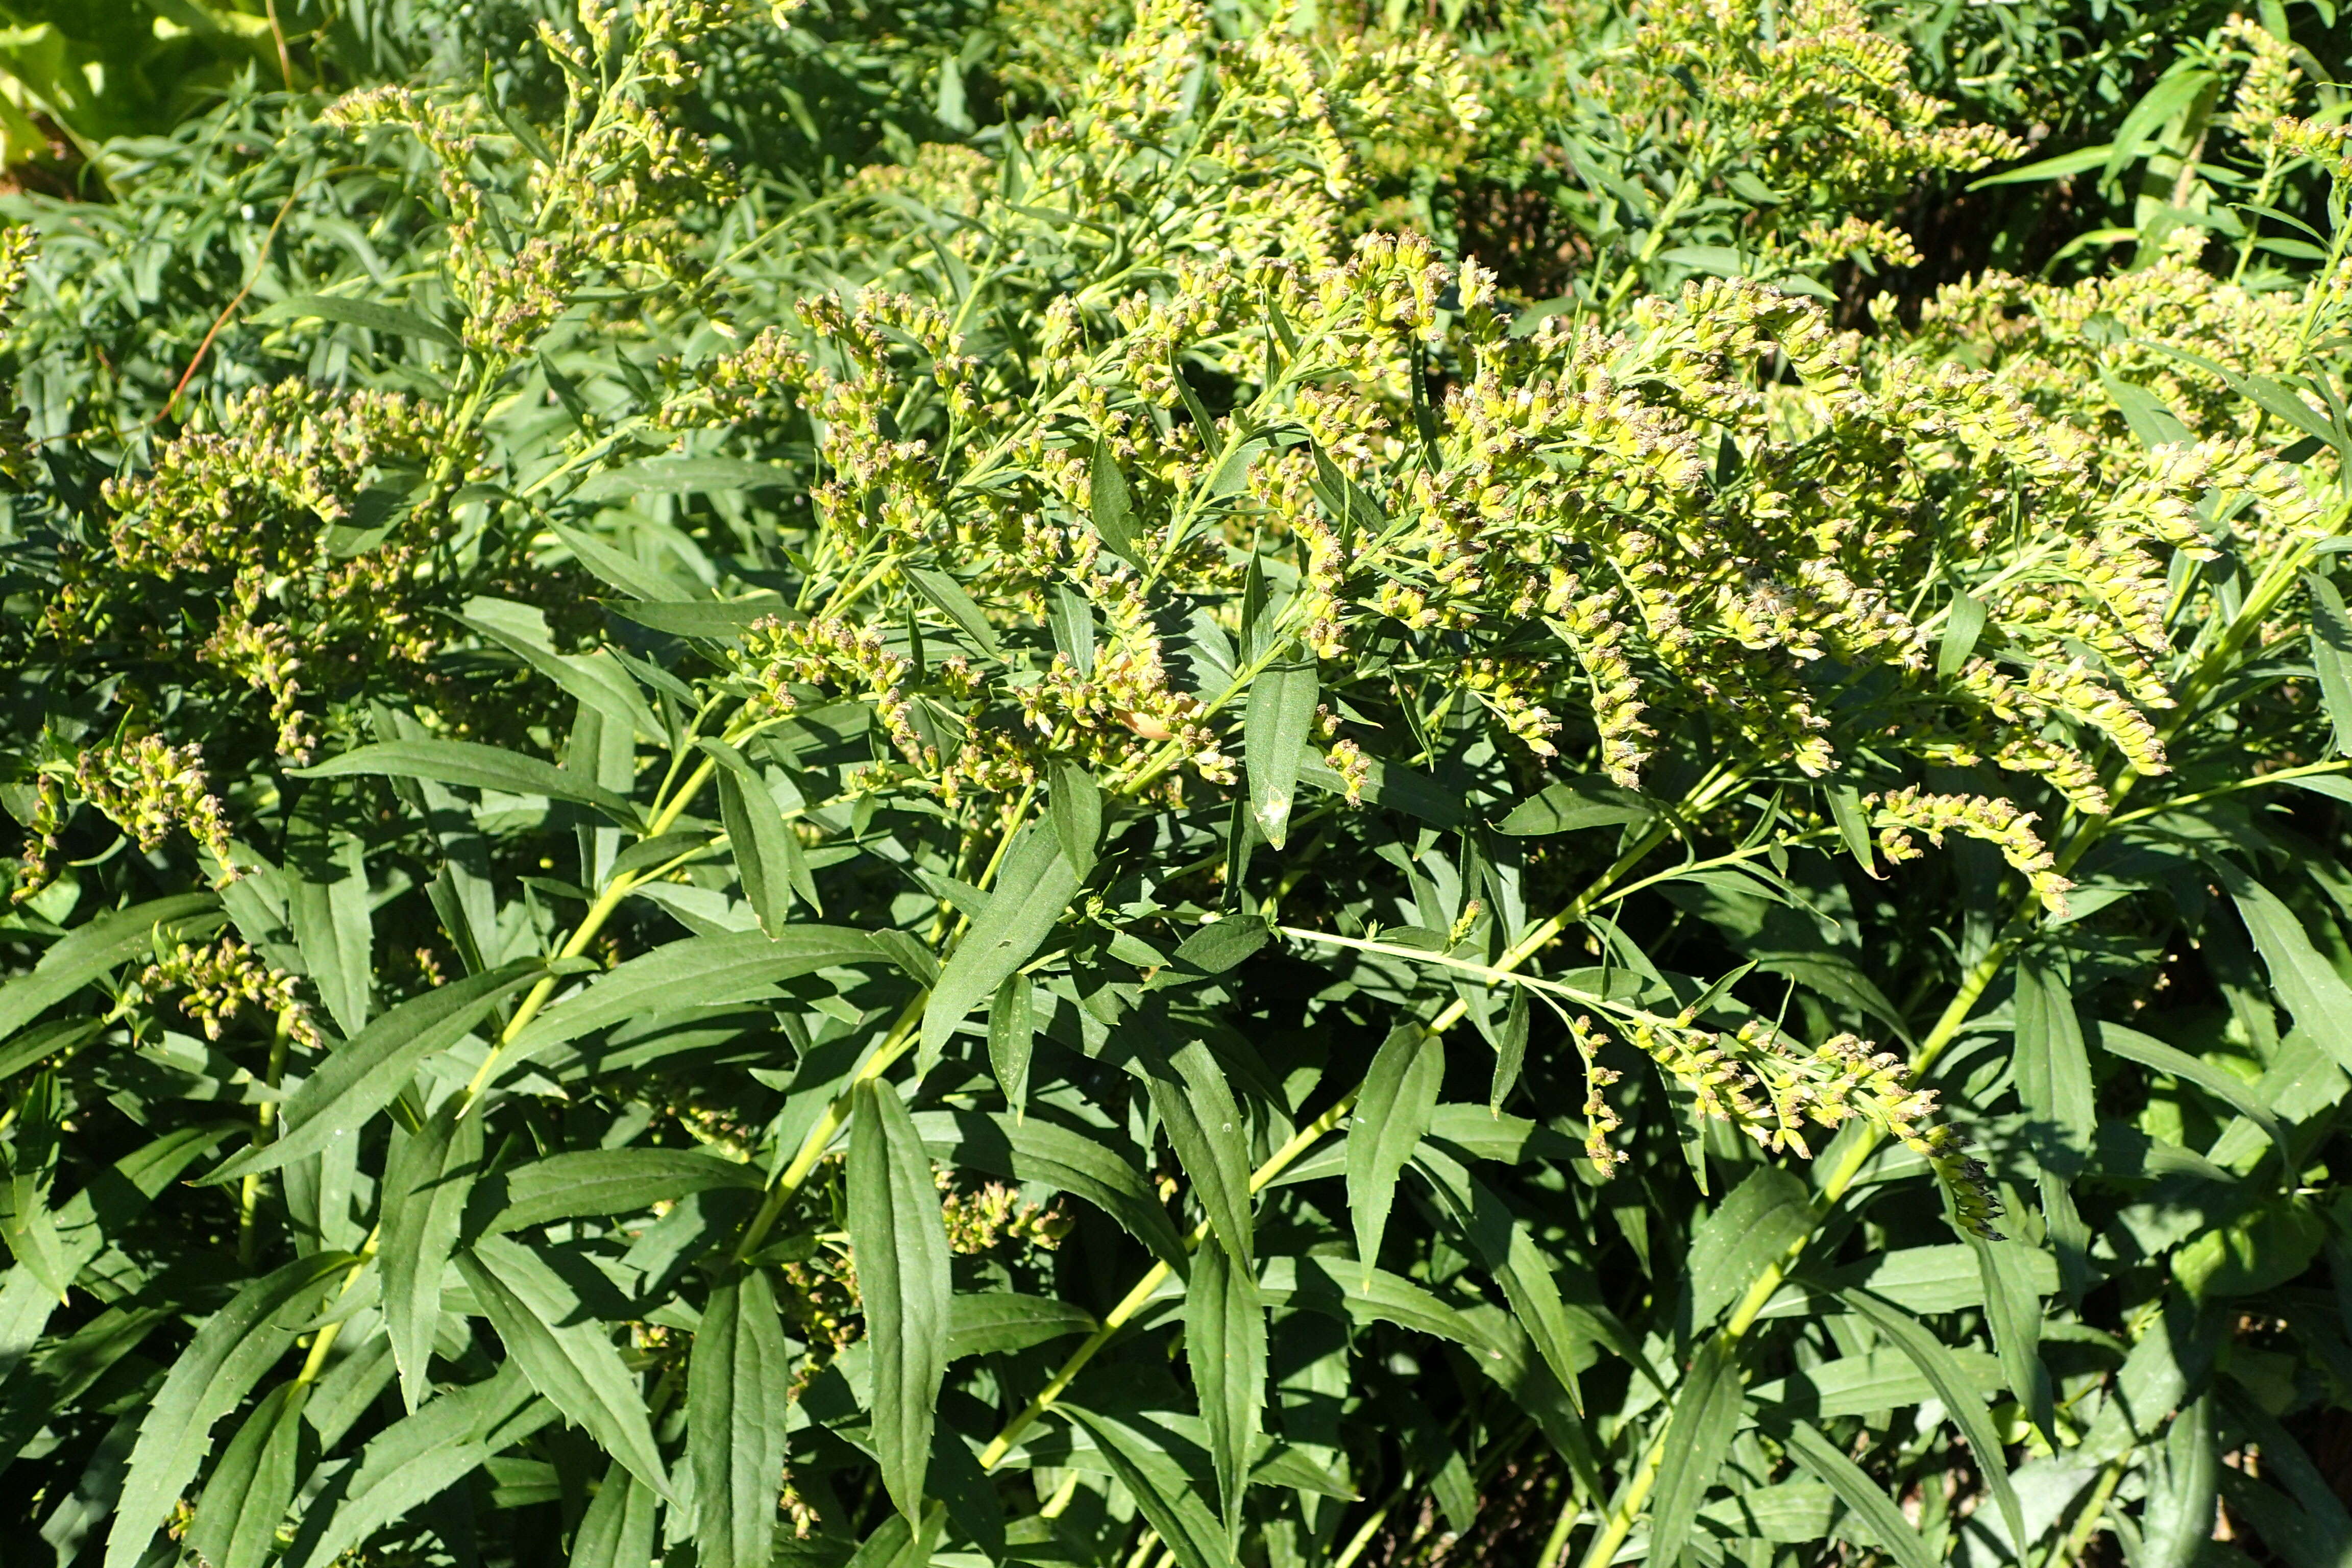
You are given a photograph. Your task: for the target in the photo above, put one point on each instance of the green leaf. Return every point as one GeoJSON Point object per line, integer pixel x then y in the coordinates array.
{"type": "Point", "coordinates": [949, 597]}
{"type": "Point", "coordinates": [415, 1461]}
{"type": "Point", "coordinates": [228, 1356]}
{"type": "Point", "coordinates": [1961, 1401]}
{"type": "Point", "coordinates": [1274, 732]}
{"type": "Point", "coordinates": [1756, 1225]}
{"type": "Point", "coordinates": [1859, 1492]}
{"type": "Point", "coordinates": [236, 1520]}
{"type": "Point", "coordinates": [1566, 806]}
{"type": "Point", "coordinates": [1391, 1117]}
{"type": "Point", "coordinates": [901, 1244]}
{"type": "Point", "coordinates": [2014, 1310]}
{"type": "Point", "coordinates": [595, 679]}
{"type": "Point", "coordinates": [564, 1349]}
{"type": "Point", "coordinates": [1032, 890]}
{"type": "Point", "coordinates": [991, 1321]}
{"type": "Point", "coordinates": [1225, 1345]}
{"type": "Point", "coordinates": [676, 476]}
{"type": "Point", "coordinates": [2331, 656]}
{"type": "Point", "coordinates": [1054, 1157]}
{"type": "Point", "coordinates": [475, 766]}
{"type": "Point", "coordinates": [731, 967]}
{"type": "Point", "coordinates": [739, 1391]}
{"type": "Point", "coordinates": [1852, 824]}
{"type": "Point", "coordinates": [2172, 93]}
{"type": "Point", "coordinates": [1078, 811]}
{"type": "Point", "coordinates": [618, 1529]}
{"type": "Point", "coordinates": [1142, 1453]}
{"type": "Point", "coordinates": [369, 313]}
{"type": "Point", "coordinates": [2150, 420]}
{"type": "Point", "coordinates": [767, 851]}
{"type": "Point", "coordinates": [428, 1176]}
{"type": "Point", "coordinates": [2177, 1525]}
{"type": "Point", "coordinates": [2053, 1070]}
{"type": "Point", "coordinates": [1110, 505]}
{"type": "Point", "coordinates": [1698, 1437]}
{"type": "Point", "coordinates": [368, 1071]}
{"type": "Point", "coordinates": [1219, 945]}
{"type": "Point", "coordinates": [581, 1183]}
{"type": "Point", "coordinates": [27, 1168]}
{"type": "Point", "coordinates": [705, 620]}
{"type": "Point", "coordinates": [93, 950]}
{"type": "Point", "coordinates": [1012, 1035]}
{"type": "Point", "coordinates": [1962, 626]}
{"type": "Point", "coordinates": [1501, 1239]}
{"type": "Point", "coordinates": [2221, 1084]}
{"type": "Point", "coordinates": [1196, 1106]}
{"type": "Point", "coordinates": [2305, 983]}
{"type": "Point", "coordinates": [2056, 168]}
{"type": "Point", "coordinates": [329, 917]}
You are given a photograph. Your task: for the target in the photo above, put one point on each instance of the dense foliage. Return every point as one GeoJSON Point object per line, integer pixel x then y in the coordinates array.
{"type": "Point", "coordinates": [1154, 786]}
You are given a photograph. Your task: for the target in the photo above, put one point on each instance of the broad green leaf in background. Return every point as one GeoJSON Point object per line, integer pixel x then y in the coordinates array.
{"type": "Point", "coordinates": [1565, 806]}
{"type": "Point", "coordinates": [767, 851]}
{"type": "Point", "coordinates": [474, 765]}
{"type": "Point", "coordinates": [1755, 1225]}
{"type": "Point", "coordinates": [2014, 1311]}
{"type": "Point", "coordinates": [618, 1529]}
{"type": "Point", "coordinates": [2177, 1524]}
{"type": "Point", "coordinates": [1225, 1341]}
{"type": "Point", "coordinates": [2305, 981]}
{"type": "Point", "coordinates": [989, 1321]}
{"type": "Point", "coordinates": [901, 1248]}
{"type": "Point", "coordinates": [737, 1401]}
{"type": "Point", "coordinates": [1392, 1115]}
{"type": "Point", "coordinates": [1078, 811]}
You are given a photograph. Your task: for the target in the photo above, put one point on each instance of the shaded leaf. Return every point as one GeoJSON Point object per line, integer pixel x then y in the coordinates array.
{"type": "Point", "coordinates": [901, 1246]}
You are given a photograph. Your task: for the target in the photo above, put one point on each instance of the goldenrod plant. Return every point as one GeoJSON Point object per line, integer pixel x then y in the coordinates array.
{"type": "Point", "coordinates": [851, 787]}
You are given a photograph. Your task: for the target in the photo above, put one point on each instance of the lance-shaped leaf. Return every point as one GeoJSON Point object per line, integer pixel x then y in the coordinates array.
{"type": "Point", "coordinates": [2053, 1070]}
{"type": "Point", "coordinates": [328, 907]}
{"type": "Point", "coordinates": [767, 850]}
{"type": "Point", "coordinates": [246, 1498]}
{"type": "Point", "coordinates": [226, 1358]}
{"type": "Point", "coordinates": [2223, 1085]}
{"type": "Point", "coordinates": [2013, 1308]}
{"type": "Point", "coordinates": [95, 949]}
{"type": "Point", "coordinates": [1144, 1455]}
{"type": "Point", "coordinates": [1275, 732]}
{"type": "Point", "coordinates": [739, 1390]}
{"type": "Point", "coordinates": [585, 1182]}
{"type": "Point", "coordinates": [1954, 1387]}
{"type": "Point", "coordinates": [427, 1179]}
{"type": "Point", "coordinates": [989, 1321]}
{"type": "Point", "coordinates": [901, 1243]}
{"type": "Point", "coordinates": [1196, 1106]}
{"type": "Point", "coordinates": [566, 1352]}
{"type": "Point", "coordinates": [1030, 892]}
{"type": "Point", "coordinates": [475, 766]}
{"type": "Point", "coordinates": [1698, 1436]}
{"type": "Point", "coordinates": [1225, 1342]}
{"type": "Point", "coordinates": [1054, 1157]}
{"type": "Point", "coordinates": [1501, 1240]}
{"type": "Point", "coordinates": [1391, 1116]}
{"type": "Point", "coordinates": [2305, 981]}
{"type": "Point", "coordinates": [1012, 1037]}
{"type": "Point", "coordinates": [1110, 505]}
{"type": "Point", "coordinates": [28, 1162]}
{"type": "Point", "coordinates": [618, 1529]}
{"type": "Point", "coordinates": [737, 966]}
{"type": "Point", "coordinates": [415, 1459]}
{"type": "Point", "coordinates": [595, 679]}
{"type": "Point", "coordinates": [367, 1072]}
{"type": "Point", "coordinates": [1078, 811]}
{"type": "Point", "coordinates": [1860, 1493]}
{"type": "Point", "coordinates": [2331, 656]}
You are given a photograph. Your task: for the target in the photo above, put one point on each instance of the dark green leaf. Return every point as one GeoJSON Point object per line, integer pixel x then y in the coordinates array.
{"type": "Point", "coordinates": [1275, 732]}
{"type": "Point", "coordinates": [901, 1247]}
{"type": "Point", "coordinates": [1034, 888]}
{"type": "Point", "coordinates": [1012, 1035]}
{"type": "Point", "coordinates": [1391, 1116]}
{"type": "Point", "coordinates": [1567, 805]}
{"type": "Point", "coordinates": [93, 950]}
{"type": "Point", "coordinates": [1225, 1344]}
{"type": "Point", "coordinates": [1887, 1526]}
{"type": "Point", "coordinates": [2053, 1070]}
{"type": "Point", "coordinates": [739, 1395]}
{"type": "Point", "coordinates": [584, 1181]}
{"type": "Point", "coordinates": [428, 1176]}
{"type": "Point", "coordinates": [1698, 1437]}
{"type": "Point", "coordinates": [1961, 1401]}
{"type": "Point", "coordinates": [1204, 1125]}
{"type": "Point", "coordinates": [994, 1321]}
{"type": "Point", "coordinates": [564, 1349]}
{"type": "Point", "coordinates": [475, 766]}
{"type": "Point", "coordinates": [236, 1520]}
